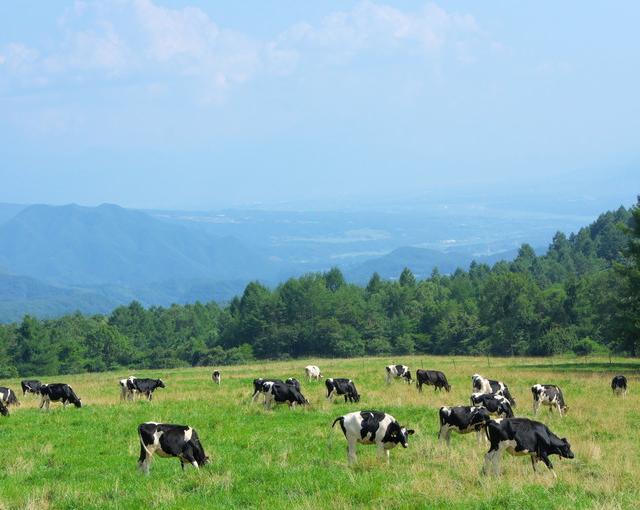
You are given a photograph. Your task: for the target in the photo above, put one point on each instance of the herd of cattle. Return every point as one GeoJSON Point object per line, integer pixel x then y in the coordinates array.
{"type": "Point", "coordinates": [490, 415]}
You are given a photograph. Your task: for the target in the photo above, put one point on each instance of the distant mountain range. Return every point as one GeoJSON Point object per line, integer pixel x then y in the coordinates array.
{"type": "Point", "coordinates": [58, 259]}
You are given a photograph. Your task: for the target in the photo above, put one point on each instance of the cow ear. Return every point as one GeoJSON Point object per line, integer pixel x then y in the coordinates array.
{"type": "Point", "coordinates": [411, 432]}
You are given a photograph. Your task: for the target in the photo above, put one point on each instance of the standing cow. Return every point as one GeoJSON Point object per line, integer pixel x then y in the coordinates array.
{"type": "Point", "coordinates": [30, 386]}
{"type": "Point", "coordinates": [521, 436]}
{"type": "Point", "coordinates": [169, 440]}
{"type": "Point", "coordinates": [372, 427]}
{"type": "Point", "coordinates": [494, 403]}
{"type": "Point", "coordinates": [462, 420]}
{"type": "Point", "coordinates": [144, 386]}
{"type": "Point", "coordinates": [619, 385]}
{"type": "Point", "coordinates": [127, 391]}
{"type": "Point", "coordinates": [433, 378]}
{"type": "Point", "coordinates": [341, 386]}
{"type": "Point", "coordinates": [397, 371]}
{"type": "Point", "coordinates": [8, 396]}
{"type": "Point", "coordinates": [258, 386]}
{"type": "Point", "coordinates": [58, 391]}
{"type": "Point", "coordinates": [313, 372]}
{"type": "Point", "coordinates": [281, 392]}
{"type": "Point", "coordinates": [217, 378]}
{"type": "Point", "coordinates": [483, 385]}
{"type": "Point", "coordinates": [548, 395]}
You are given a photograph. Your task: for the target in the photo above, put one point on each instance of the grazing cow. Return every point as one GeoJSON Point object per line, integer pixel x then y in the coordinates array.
{"type": "Point", "coordinates": [482, 385]}
{"type": "Point", "coordinates": [342, 386]}
{"type": "Point", "coordinates": [433, 378]}
{"type": "Point", "coordinates": [619, 385]}
{"type": "Point", "coordinates": [292, 381]}
{"type": "Point", "coordinates": [548, 395]}
{"type": "Point", "coordinates": [4, 411]}
{"type": "Point", "coordinates": [170, 441]}
{"type": "Point", "coordinates": [8, 396]}
{"type": "Point", "coordinates": [144, 386]}
{"type": "Point", "coordinates": [462, 419]}
{"type": "Point", "coordinates": [217, 378]}
{"type": "Point", "coordinates": [56, 392]}
{"type": "Point", "coordinates": [395, 371]}
{"type": "Point", "coordinates": [372, 427]}
{"type": "Point", "coordinates": [258, 386]}
{"type": "Point", "coordinates": [281, 392]}
{"type": "Point", "coordinates": [494, 403]}
{"type": "Point", "coordinates": [30, 386]}
{"type": "Point", "coordinates": [521, 436]}
{"type": "Point", "coordinates": [313, 372]}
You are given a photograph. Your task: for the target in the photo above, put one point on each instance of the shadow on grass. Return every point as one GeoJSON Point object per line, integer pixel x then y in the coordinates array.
{"type": "Point", "coordinates": [589, 366]}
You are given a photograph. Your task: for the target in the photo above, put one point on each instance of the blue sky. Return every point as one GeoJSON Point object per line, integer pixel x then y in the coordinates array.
{"type": "Point", "coordinates": [196, 105]}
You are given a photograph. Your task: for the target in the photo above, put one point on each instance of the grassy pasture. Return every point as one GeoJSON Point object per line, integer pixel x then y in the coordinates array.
{"type": "Point", "coordinates": [86, 458]}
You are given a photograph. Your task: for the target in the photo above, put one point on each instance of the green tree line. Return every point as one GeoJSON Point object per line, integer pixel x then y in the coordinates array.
{"type": "Point", "coordinates": [582, 295]}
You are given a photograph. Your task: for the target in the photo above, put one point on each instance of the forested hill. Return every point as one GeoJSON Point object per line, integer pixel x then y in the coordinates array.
{"type": "Point", "coordinates": [582, 295]}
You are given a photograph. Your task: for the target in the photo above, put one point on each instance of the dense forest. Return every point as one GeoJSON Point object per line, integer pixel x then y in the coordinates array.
{"type": "Point", "coordinates": [582, 296]}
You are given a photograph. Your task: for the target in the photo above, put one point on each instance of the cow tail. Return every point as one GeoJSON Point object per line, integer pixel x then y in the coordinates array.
{"type": "Point", "coordinates": [338, 419]}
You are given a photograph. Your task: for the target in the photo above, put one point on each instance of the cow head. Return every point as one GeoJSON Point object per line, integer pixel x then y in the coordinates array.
{"type": "Point", "coordinates": [564, 448]}
{"type": "Point", "coordinates": [396, 433]}
{"type": "Point", "coordinates": [480, 417]}
{"type": "Point", "coordinates": [160, 383]}
{"type": "Point", "coordinates": [448, 387]}
{"type": "Point", "coordinates": [476, 381]}
{"type": "Point", "coordinates": [3, 410]}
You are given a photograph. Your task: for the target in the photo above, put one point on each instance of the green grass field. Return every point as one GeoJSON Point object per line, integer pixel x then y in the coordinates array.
{"type": "Point", "coordinates": [87, 458]}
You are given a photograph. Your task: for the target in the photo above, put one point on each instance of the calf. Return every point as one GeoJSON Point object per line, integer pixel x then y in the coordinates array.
{"type": "Point", "coordinates": [4, 411]}
{"type": "Point", "coordinates": [433, 378]}
{"type": "Point", "coordinates": [313, 372]}
{"type": "Point", "coordinates": [217, 378]}
{"type": "Point", "coordinates": [548, 395]}
{"type": "Point", "coordinates": [462, 419]}
{"type": "Point", "coordinates": [494, 403]}
{"type": "Point", "coordinates": [372, 427]}
{"type": "Point", "coordinates": [56, 392]}
{"type": "Point", "coordinates": [258, 386]}
{"type": "Point", "coordinates": [293, 382]}
{"type": "Point", "coordinates": [619, 385]}
{"type": "Point", "coordinates": [521, 436]}
{"type": "Point", "coordinates": [280, 392]}
{"type": "Point", "coordinates": [30, 386]}
{"type": "Point", "coordinates": [396, 371]}
{"type": "Point", "coordinates": [144, 386]}
{"type": "Point", "coordinates": [8, 397]}
{"type": "Point", "coordinates": [342, 386]}
{"type": "Point", "coordinates": [170, 441]}
{"type": "Point", "coordinates": [482, 385]}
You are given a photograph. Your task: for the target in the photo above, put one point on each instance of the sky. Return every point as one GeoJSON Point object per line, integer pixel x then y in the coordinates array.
{"type": "Point", "coordinates": [200, 105]}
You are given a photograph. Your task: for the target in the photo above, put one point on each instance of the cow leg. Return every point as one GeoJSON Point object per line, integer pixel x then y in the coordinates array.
{"type": "Point", "coordinates": [488, 461]}
{"type": "Point", "coordinates": [351, 452]}
{"type": "Point", "coordinates": [536, 406]}
{"type": "Point", "coordinates": [255, 395]}
{"type": "Point", "coordinates": [149, 395]}
{"type": "Point", "coordinates": [559, 409]}
{"type": "Point", "coordinates": [544, 458]}
{"type": "Point", "coordinates": [534, 461]}
{"type": "Point", "coordinates": [41, 401]}
{"type": "Point", "coordinates": [144, 460]}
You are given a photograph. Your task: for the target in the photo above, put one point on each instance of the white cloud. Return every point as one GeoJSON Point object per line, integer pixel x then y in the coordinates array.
{"type": "Point", "coordinates": [113, 39]}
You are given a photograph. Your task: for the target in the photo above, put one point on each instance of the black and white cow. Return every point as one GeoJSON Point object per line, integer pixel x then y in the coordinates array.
{"type": "Point", "coordinates": [396, 371]}
{"type": "Point", "coordinates": [30, 386]}
{"type": "Point", "coordinates": [341, 386]}
{"type": "Point", "coordinates": [8, 396]}
{"type": "Point", "coordinates": [521, 436]}
{"type": "Point", "coordinates": [483, 385]}
{"type": "Point", "coordinates": [292, 381]}
{"type": "Point", "coordinates": [217, 378]}
{"type": "Point", "coordinates": [619, 385]}
{"type": "Point", "coordinates": [462, 420]}
{"type": "Point", "coordinates": [4, 411]}
{"type": "Point", "coordinates": [548, 395]}
{"type": "Point", "coordinates": [279, 393]}
{"type": "Point", "coordinates": [144, 386]}
{"type": "Point", "coordinates": [58, 391]}
{"type": "Point", "coordinates": [170, 441]}
{"type": "Point", "coordinates": [127, 392]}
{"type": "Point", "coordinates": [372, 427]}
{"type": "Point", "coordinates": [433, 378]}
{"type": "Point", "coordinates": [258, 386]}
{"type": "Point", "coordinates": [494, 403]}
{"type": "Point", "coordinates": [313, 372]}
